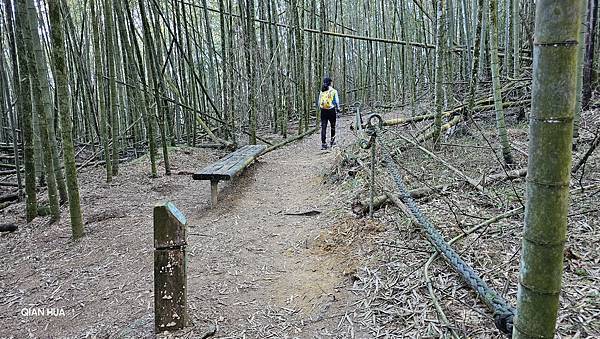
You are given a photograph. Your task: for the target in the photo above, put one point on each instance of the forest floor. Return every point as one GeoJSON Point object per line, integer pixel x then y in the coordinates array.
{"type": "Point", "coordinates": [253, 270]}
{"type": "Point", "coordinates": [399, 289]}
{"type": "Point", "coordinates": [257, 271]}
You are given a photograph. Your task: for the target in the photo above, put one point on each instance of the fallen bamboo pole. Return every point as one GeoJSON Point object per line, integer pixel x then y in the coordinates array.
{"type": "Point", "coordinates": [287, 141]}
{"type": "Point", "coordinates": [587, 154]}
{"type": "Point", "coordinates": [468, 179]}
{"type": "Point", "coordinates": [454, 111]}
{"type": "Point", "coordinates": [362, 207]}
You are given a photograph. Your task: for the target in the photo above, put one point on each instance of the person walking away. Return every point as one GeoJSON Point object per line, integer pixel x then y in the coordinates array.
{"type": "Point", "coordinates": [329, 103]}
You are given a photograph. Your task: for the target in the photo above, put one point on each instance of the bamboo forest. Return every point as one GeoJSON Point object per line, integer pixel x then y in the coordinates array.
{"type": "Point", "coordinates": [299, 169]}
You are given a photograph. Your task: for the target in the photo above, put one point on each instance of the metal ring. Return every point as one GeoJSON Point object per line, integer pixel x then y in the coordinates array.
{"type": "Point", "coordinates": [364, 143]}
{"type": "Point", "coordinates": [375, 120]}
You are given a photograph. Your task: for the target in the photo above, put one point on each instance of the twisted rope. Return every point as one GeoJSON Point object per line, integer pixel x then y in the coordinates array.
{"type": "Point", "coordinates": [503, 311]}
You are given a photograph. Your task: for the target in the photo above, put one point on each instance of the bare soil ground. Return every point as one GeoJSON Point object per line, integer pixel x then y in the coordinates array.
{"type": "Point", "coordinates": [254, 271]}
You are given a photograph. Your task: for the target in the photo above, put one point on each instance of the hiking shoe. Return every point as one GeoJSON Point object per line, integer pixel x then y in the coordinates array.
{"type": "Point", "coordinates": [323, 147]}
{"type": "Point", "coordinates": [333, 143]}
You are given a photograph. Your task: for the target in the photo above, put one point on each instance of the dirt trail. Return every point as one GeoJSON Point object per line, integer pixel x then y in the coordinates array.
{"type": "Point", "coordinates": [253, 270]}
{"type": "Point", "coordinates": [254, 267]}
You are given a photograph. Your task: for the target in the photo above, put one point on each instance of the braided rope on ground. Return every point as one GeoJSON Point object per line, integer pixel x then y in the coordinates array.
{"type": "Point", "coordinates": [503, 311]}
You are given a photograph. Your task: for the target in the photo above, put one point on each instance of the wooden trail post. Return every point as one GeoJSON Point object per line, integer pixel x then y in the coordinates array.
{"type": "Point", "coordinates": [170, 309]}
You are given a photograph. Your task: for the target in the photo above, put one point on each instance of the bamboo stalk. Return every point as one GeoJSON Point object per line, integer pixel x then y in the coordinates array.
{"type": "Point", "coordinates": [548, 166]}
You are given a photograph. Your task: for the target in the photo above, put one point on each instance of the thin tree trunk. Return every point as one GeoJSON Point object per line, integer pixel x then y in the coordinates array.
{"type": "Point", "coordinates": [154, 61]}
{"type": "Point", "coordinates": [344, 66]}
{"type": "Point", "coordinates": [589, 53]}
{"type": "Point", "coordinates": [449, 41]}
{"type": "Point", "coordinates": [8, 7]}
{"type": "Point", "coordinates": [25, 107]}
{"type": "Point", "coordinates": [212, 70]}
{"type": "Point", "coordinates": [483, 41]}
{"type": "Point", "coordinates": [149, 117]}
{"type": "Point", "coordinates": [45, 100]}
{"type": "Point", "coordinates": [130, 75]}
{"type": "Point", "coordinates": [59, 58]}
{"type": "Point", "coordinates": [31, 34]}
{"type": "Point", "coordinates": [493, 45]}
{"type": "Point", "coordinates": [310, 72]}
{"type": "Point", "coordinates": [475, 59]}
{"type": "Point", "coordinates": [439, 62]}
{"type": "Point", "coordinates": [103, 114]}
{"type": "Point", "coordinates": [548, 167]}
{"type": "Point", "coordinates": [321, 50]}
{"type": "Point", "coordinates": [580, 71]}
{"type": "Point", "coordinates": [515, 38]}
{"type": "Point", "coordinates": [250, 50]}
{"type": "Point", "coordinates": [112, 85]}
{"type": "Point", "coordinates": [230, 76]}
{"type": "Point", "coordinates": [299, 67]}
{"type": "Point", "coordinates": [274, 54]}
{"type": "Point", "coordinates": [224, 61]}
{"type": "Point", "coordinates": [507, 62]}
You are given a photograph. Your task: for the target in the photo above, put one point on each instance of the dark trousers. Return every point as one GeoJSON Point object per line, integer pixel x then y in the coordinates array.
{"type": "Point", "coordinates": [327, 115]}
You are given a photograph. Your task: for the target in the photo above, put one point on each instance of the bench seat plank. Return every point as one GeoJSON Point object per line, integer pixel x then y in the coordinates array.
{"type": "Point", "coordinates": [230, 165]}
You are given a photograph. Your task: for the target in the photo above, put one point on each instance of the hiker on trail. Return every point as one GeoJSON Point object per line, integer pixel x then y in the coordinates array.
{"type": "Point", "coordinates": [329, 103]}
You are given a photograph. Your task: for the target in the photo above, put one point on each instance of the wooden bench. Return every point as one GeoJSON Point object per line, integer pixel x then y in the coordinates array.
{"type": "Point", "coordinates": [228, 167]}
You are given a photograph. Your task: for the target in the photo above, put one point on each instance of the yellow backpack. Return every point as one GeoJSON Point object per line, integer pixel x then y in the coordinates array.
{"type": "Point", "coordinates": [326, 99]}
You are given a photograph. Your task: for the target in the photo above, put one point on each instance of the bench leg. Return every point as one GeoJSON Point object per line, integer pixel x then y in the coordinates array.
{"type": "Point", "coordinates": [213, 192]}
